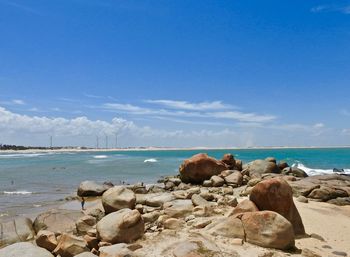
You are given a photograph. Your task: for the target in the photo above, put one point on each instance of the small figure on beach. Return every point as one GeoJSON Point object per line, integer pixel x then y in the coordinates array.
{"type": "Point", "coordinates": [82, 203]}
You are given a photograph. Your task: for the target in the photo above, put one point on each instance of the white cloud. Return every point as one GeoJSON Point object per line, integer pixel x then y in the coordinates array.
{"type": "Point", "coordinates": [227, 115]}
{"type": "Point", "coordinates": [345, 9]}
{"type": "Point", "coordinates": [183, 105]}
{"type": "Point", "coordinates": [242, 117]}
{"type": "Point", "coordinates": [18, 102]}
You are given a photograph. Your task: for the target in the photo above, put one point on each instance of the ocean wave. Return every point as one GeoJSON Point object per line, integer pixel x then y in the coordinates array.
{"type": "Point", "coordinates": [100, 156]}
{"type": "Point", "coordinates": [20, 192]}
{"type": "Point", "coordinates": [151, 160]}
{"type": "Point", "coordinates": [20, 155]}
{"type": "Point", "coordinates": [314, 171]}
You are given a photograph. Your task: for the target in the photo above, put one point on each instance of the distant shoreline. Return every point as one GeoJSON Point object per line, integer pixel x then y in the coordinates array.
{"type": "Point", "coordinates": [165, 149]}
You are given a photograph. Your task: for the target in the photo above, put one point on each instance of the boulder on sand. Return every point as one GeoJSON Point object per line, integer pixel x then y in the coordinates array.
{"type": "Point", "coordinates": [200, 167]}
{"type": "Point", "coordinates": [69, 246]}
{"type": "Point", "coordinates": [276, 195]}
{"type": "Point", "coordinates": [229, 160]}
{"type": "Point", "coordinates": [117, 198]}
{"type": "Point", "coordinates": [91, 188]}
{"type": "Point", "coordinates": [123, 226]}
{"type": "Point", "coordinates": [46, 239]}
{"type": "Point", "coordinates": [268, 229]}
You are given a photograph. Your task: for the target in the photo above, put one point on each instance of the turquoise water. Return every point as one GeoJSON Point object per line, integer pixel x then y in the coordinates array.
{"type": "Point", "coordinates": [29, 181]}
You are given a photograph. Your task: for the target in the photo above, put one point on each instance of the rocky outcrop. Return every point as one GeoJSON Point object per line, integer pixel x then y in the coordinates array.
{"type": "Point", "coordinates": [268, 229]}
{"type": "Point", "coordinates": [276, 195]}
{"type": "Point", "coordinates": [57, 221]}
{"type": "Point", "coordinates": [117, 198]}
{"type": "Point", "coordinates": [244, 206]}
{"type": "Point", "coordinates": [84, 224]}
{"type": "Point", "coordinates": [117, 250]}
{"type": "Point", "coordinates": [18, 230]}
{"type": "Point", "coordinates": [123, 226]}
{"type": "Point", "coordinates": [24, 249]}
{"type": "Point", "coordinates": [235, 179]}
{"type": "Point", "coordinates": [91, 188]}
{"type": "Point", "coordinates": [69, 246]}
{"type": "Point", "coordinates": [200, 167]}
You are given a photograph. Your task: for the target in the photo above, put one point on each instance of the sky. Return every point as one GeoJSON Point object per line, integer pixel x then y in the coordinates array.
{"type": "Point", "coordinates": [178, 73]}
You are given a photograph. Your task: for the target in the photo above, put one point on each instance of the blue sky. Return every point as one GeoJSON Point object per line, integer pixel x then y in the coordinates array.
{"type": "Point", "coordinates": [175, 73]}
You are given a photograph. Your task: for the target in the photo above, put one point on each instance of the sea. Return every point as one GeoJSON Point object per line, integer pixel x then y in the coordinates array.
{"type": "Point", "coordinates": [31, 182]}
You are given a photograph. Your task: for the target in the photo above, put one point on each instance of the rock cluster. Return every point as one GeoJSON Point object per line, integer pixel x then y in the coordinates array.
{"type": "Point", "coordinates": [199, 203]}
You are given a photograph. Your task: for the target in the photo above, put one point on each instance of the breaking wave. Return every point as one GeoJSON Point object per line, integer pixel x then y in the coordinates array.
{"type": "Point", "coordinates": [314, 171]}
{"type": "Point", "coordinates": [151, 160]}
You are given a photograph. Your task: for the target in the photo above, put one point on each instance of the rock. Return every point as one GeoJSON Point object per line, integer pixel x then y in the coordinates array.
{"type": "Point", "coordinates": [225, 173]}
{"type": "Point", "coordinates": [91, 241]}
{"type": "Point", "coordinates": [58, 221]}
{"type": "Point", "coordinates": [173, 223]}
{"type": "Point", "coordinates": [24, 249]}
{"type": "Point", "coordinates": [268, 229]}
{"type": "Point", "coordinates": [200, 167]}
{"type": "Point", "coordinates": [17, 230]}
{"type": "Point", "coordinates": [156, 189]}
{"type": "Point", "coordinates": [340, 253]}
{"type": "Point", "coordinates": [178, 208]}
{"type": "Point", "coordinates": [200, 223]}
{"type": "Point", "coordinates": [230, 227]}
{"type": "Point", "coordinates": [117, 198]}
{"type": "Point", "coordinates": [85, 254]}
{"type": "Point", "coordinates": [84, 224]}
{"type": "Point", "coordinates": [192, 191]}
{"type": "Point", "coordinates": [91, 188]}
{"type": "Point", "coordinates": [239, 165]}
{"type": "Point", "coordinates": [302, 187]}
{"type": "Point", "coordinates": [46, 239]}
{"type": "Point", "coordinates": [207, 183]}
{"type": "Point", "coordinates": [252, 182]}
{"type": "Point", "coordinates": [117, 250]}
{"type": "Point", "coordinates": [151, 217]}
{"type": "Point", "coordinates": [237, 241]}
{"type": "Point", "coordinates": [235, 179]}
{"type": "Point", "coordinates": [294, 171]}
{"type": "Point", "coordinates": [123, 226]}
{"type": "Point", "coordinates": [158, 199]}
{"type": "Point", "coordinates": [202, 211]}
{"type": "Point", "coordinates": [197, 200]}
{"type": "Point", "coordinates": [231, 201]}
{"type": "Point", "coordinates": [282, 165]}
{"type": "Point", "coordinates": [325, 193]}
{"type": "Point", "coordinates": [309, 253]}
{"type": "Point", "coordinates": [69, 246]}
{"type": "Point", "coordinates": [207, 196]}
{"type": "Point", "coordinates": [244, 206]}
{"type": "Point", "coordinates": [97, 213]}
{"type": "Point", "coordinates": [271, 159]}
{"type": "Point", "coordinates": [169, 185]}
{"type": "Point", "coordinates": [229, 160]}
{"type": "Point", "coordinates": [340, 201]}
{"type": "Point", "coordinates": [302, 199]}
{"type": "Point", "coordinates": [217, 181]}
{"type": "Point", "coordinates": [259, 167]}
{"type": "Point", "coordinates": [276, 195]}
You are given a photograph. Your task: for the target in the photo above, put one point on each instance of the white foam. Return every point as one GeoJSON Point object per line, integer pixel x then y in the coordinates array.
{"type": "Point", "coordinates": [313, 171]}
{"type": "Point", "coordinates": [15, 155]}
{"type": "Point", "coordinates": [150, 160]}
{"type": "Point", "coordinates": [100, 156]}
{"type": "Point", "coordinates": [17, 192]}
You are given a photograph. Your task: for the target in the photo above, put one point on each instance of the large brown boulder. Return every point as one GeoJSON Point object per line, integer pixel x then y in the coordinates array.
{"type": "Point", "coordinates": [91, 188]}
{"type": "Point", "coordinates": [268, 229]}
{"type": "Point", "coordinates": [46, 239]}
{"type": "Point", "coordinates": [200, 167]}
{"type": "Point", "coordinates": [17, 230]}
{"type": "Point", "coordinates": [229, 160]}
{"type": "Point", "coordinates": [276, 195]}
{"type": "Point", "coordinates": [259, 167]}
{"type": "Point", "coordinates": [244, 206]}
{"type": "Point", "coordinates": [117, 198]}
{"type": "Point", "coordinates": [123, 226]}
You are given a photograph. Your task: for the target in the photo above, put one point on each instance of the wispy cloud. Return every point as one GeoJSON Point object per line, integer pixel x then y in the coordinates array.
{"type": "Point", "coordinates": [13, 102]}
{"type": "Point", "coordinates": [21, 7]}
{"type": "Point", "coordinates": [224, 115]}
{"type": "Point", "coordinates": [93, 96]}
{"type": "Point", "coordinates": [345, 9]}
{"type": "Point", "coordinates": [183, 105]}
